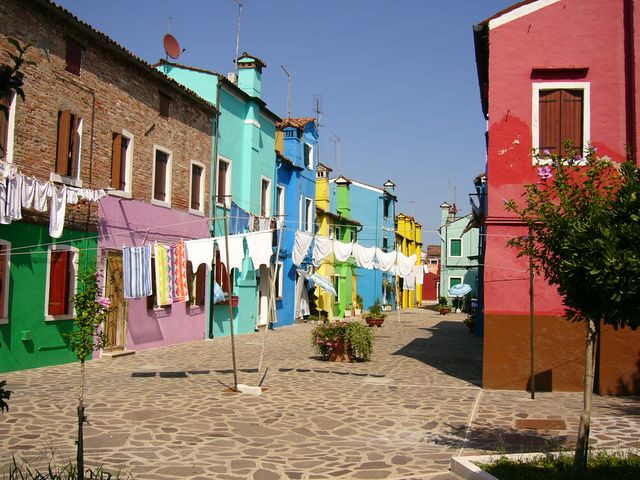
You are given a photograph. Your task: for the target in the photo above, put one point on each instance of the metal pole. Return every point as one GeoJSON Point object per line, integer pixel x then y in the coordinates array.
{"type": "Point", "coordinates": [531, 321]}
{"type": "Point", "coordinates": [229, 301]}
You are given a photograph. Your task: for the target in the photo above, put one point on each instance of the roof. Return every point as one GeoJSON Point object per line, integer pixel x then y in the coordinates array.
{"type": "Point", "coordinates": [507, 10]}
{"type": "Point", "coordinates": [338, 217]}
{"type": "Point", "coordinates": [433, 250]}
{"type": "Point", "coordinates": [257, 60]}
{"type": "Point", "coordinates": [237, 90]}
{"type": "Point", "coordinates": [287, 161]}
{"type": "Point", "coordinates": [324, 166]}
{"type": "Point", "coordinates": [299, 123]}
{"type": "Point", "coordinates": [341, 180]}
{"type": "Point", "coordinates": [358, 183]}
{"type": "Point", "coordinates": [64, 15]}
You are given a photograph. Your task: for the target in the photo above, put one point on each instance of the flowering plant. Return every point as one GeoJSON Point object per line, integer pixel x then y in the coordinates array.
{"type": "Point", "coordinates": [355, 338]}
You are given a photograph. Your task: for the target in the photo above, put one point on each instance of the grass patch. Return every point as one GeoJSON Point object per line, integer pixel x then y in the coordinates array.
{"type": "Point", "coordinates": [601, 466]}
{"type": "Point", "coordinates": [25, 471]}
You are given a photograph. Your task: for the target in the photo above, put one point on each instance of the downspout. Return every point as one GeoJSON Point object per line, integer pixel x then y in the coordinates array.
{"type": "Point", "coordinates": [213, 189]}
{"type": "Point", "coordinates": [630, 79]}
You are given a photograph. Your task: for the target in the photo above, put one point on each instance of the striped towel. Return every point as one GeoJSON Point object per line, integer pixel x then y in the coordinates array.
{"type": "Point", "coordinates": [162, 274]}
{"type": "Point", "coordinates": [136, 264]}
{"type": "Point", "coordinates": [179, 291]}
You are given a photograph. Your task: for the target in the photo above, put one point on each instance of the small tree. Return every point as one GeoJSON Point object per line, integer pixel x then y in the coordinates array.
{"type": "Point", "coordinates": [584, 218]}
{"type": "Point", "coordinates": [91, 311]}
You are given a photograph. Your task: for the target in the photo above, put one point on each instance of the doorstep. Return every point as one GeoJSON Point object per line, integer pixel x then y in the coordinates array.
{"type": "Point", "coordinates": [111, 354]}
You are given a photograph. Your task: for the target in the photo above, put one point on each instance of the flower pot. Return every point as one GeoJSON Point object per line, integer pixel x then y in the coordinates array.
{"type": "Point", "coordinates": [444, 310]}
{"type": "Point", "coordinates": [374, 322]}
{"type": "Point", "coordinates": [339, 353]}
{"type": "Point", "coordinates": [357, 311]}
{"type": "Point", "coordinates": [347, 313]}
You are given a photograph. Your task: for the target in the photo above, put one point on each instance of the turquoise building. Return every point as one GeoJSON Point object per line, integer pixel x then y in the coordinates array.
{"type": "Point", "coordinates": [243, 179]}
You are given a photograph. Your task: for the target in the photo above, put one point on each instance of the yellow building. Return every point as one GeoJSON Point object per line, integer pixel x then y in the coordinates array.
{"type": "Point", "coordinates": [409, 242]}
{"type": "Point", "coordinates": [324, 227]}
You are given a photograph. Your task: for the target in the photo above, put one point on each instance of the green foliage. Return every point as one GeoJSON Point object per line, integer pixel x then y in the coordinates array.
{"type": "Point", "coordinates": [584, 217]}
{"type": "Point", "coordinates": [601, 466]}
{"type": "Point", "coordinates": [53, 472]}
{"type": "Point", "coordinates": [4, 396]}
{"type": "Point", "coordinates": [357, 338]}
{"type": "Point", "coordinates": [359, 302]}
{"type": "Point", "coordinates": [375, 311]}
{"type": "Point", "coordinates": [11, 78]}
{"type": "Point", "coordinates": [442, 301]}
{"type": "Point", "coordinates": [91, 311]}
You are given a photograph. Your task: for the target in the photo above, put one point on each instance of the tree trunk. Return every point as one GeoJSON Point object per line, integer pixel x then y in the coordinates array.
{"type": "Point", "coordinates": [81, 420]}
{"type": "Point", "coordinates": [582, 444]}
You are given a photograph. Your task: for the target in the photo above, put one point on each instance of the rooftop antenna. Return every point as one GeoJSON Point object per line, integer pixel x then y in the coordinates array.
{"type": "Point", "coordinates": [288, 91]}
{"type": "Point", "coordinates": [171, 46]}
{"type": "Point", "coordinates": [235, 59]}
{"type": "Point", "coordinates": [336, 140]}
{"type": "Point", "coordinates": [317, 107]}
{"type": "Point", "coordinates": [413, 205]}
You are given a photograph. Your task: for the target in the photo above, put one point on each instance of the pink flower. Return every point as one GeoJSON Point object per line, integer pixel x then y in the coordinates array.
{"type": "Point", "coordinates": [104, 302]}
{"type": "Point", "coordinates": [546, 152]}
{"type": "Point", "coordinates": [545, 172]}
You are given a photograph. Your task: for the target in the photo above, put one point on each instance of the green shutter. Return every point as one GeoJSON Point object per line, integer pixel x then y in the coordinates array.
{"type": "Point", "coordinates": [456, 247]}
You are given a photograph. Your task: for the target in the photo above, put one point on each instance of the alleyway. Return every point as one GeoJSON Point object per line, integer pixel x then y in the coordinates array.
{"type": "Point", "coordinates": [403, 415]}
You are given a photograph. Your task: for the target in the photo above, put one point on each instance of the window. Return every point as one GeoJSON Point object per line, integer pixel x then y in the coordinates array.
{"type": "Point", "coordinates": [561, 112]}
{"type": "Point", "coordinates": [455, 247]}
{"type": "Point", "coordinates": [386, 205]}
{"type": "Point", "coordinates": [62, 268]}
{"type": "Point", "coordinates": [7, 122]}
{"type": "Point", "coordinates": [308, 208]}
{"type": "Point", "coordinates": [69, 144]}
{"type": "Point", "coordinates": [279, 280]}
{"type": "Point", "coordinates": [433, 261]}
{"type": "Point", "coordinates": [161, 177]}
{"type": "Point", "coordinates": [73, 57]}
{"type": "Point", "coordinates": [197, 187]}
{"type": "Point", "coordinates": [454, 281]}
{"type": "Point", "coordinates": [165, 103]}
{"type": "Point", "coordinates": [280, 200]}
{"type": "Point", "coordinates": [224, 182]}
{"type": "Point", "coordinates": [300, 214]}
{"type": "Point", "coordinates": [336, 286]}
{"type": "Point", "coordinates": [221, 277]}
{"type": "Point", "coordinates": [385, 244]}
{"type": "Point", "coordinates": [121, 157]}
{"type": "Point", "coordinates": [265, 198]}
{"type": "Point", "coordinates": [197, 284]}
{"type": "Point", "coordinates": [308, 156]}
{"type": "Point", "coordinates": [5, 257]}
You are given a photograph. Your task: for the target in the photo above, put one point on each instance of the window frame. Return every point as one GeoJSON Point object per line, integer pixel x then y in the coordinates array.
{"type": "Point", "coordinates": [300, 214]}
{"type": "Point", "coordinates": [309, 165]}
{"type": "Point", "coordinates": [279, 283]}
{"type": "Point", "coordinates": [128, 169]}
{"type": "Point", "coordinates": [54, 176]}
{"type": "Point", "coordinates": [4, 313]}
{"type": "Point", "coordinates": [308, 214]}
{"type": "Point", "coordinates": [267, 197]}
{"type": "Point", "coordinates": [192, 282]}
{"type": "Point", "coordinates": [451, 278]}
{"type": "Point", "coordinates": [11, 122]}
{"type": "Point", "coordinates": [536, 87]}
{"type": "Point", "coordinates": [167, 178]}
{"type": "Point", "coordinates": [69, 67]}
{"type": "Point", "coordinates": [226, 202]}
{"type": "Point", "coordinates": [203, 176]}
{"type": "Point", "coordinates": [73, 282]}
{"type": "Point", "coordinates": [461, 248]}
{"type": "Point", "coordinates": [280, 197]}
{"type": "Point", "coordinates": [336, 285]}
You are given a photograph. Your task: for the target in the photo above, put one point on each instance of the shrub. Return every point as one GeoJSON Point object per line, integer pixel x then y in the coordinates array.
{"type": "Point", "coordinates": [357, 339]}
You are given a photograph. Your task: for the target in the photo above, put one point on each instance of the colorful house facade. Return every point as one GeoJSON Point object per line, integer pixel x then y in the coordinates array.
{"type": "Point", "coordinates": [409, 242]}
{"type": "Point", "coordinates": [431, 282]}
{"type": "Point", "coordinates": [542, 83]}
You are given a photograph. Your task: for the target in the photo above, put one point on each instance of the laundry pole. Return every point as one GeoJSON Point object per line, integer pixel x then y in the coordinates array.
{"type": "Point", "coordinates": [229, 301]}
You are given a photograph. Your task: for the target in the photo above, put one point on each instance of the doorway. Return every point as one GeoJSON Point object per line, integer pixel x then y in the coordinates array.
{"type": "Point", "coordinates": [263, 295]}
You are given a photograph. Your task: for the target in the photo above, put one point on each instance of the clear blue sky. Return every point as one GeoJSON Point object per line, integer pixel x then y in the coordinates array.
{"type": "Point", "coordinates": [397, 78]}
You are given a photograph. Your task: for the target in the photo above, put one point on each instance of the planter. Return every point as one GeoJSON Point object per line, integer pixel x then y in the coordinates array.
{"type": "Point", "coordinates": [374, 322]}
{"type": "Point", "coordinates": [357, 311]}
{"type": "Point", "coordinates": [235, 300]}
{"type": "Point", "coordinates": [339, 353]}
{"type": "Point", "coordinates": [347, 313]}
{"type": "Point", "coordinates": [386, 308]}
{"type": "Point", "coordinates": [444, 310]}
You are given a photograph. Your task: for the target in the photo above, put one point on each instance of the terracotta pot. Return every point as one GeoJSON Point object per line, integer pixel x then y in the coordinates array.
{"type": "Point", "coordinates": [339, 352]}
{"type": "Point", "coordinates": [374, 322]}
{"type": "Point", "coordinates": [444, 311]}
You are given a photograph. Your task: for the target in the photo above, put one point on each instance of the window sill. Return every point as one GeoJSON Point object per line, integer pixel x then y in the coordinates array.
{"type": "Point", "coordinates": [221, 205]}
{"type": "Point", "coordinates": [73, 182]}
{"type": "Point", "coordinates": [120, 193]}
{"type": "Point", "coordinates": [199, 213]}
{"type": "Point", "coordinates": [54, 318]}
{"type": "Point", "coordinates": [160, 203]}
{"type": "Point", "coordinates": [4, 321]}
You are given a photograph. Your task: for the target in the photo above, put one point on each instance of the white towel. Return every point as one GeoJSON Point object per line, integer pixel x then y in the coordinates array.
{"type": "Point", "coordinates": [302, 299]}
{"type": "Point", "coordinates": [43, 191]}
{"type": "Point", "coordinates": [386, 260]}
{"type": "Point", "coordinates": [58, 210]}
{"type": "Point", "coordinates": [342, 251]}
{"type": "Point", "coordinates": [28, 192]}
{"type": "Point", "coordinates": [364, 256]}
{"type": "Point", "coordinates": [409, 282]}
{"type": "Point", "coordinates": [260, 249]}
{"type": "Point", "coordinates": [419, 274]}
{"type": "Point", "coordinates": [200, 251]}
{"type": "Point", "coordinates": [405, 264]}
{"type": "Point", "coordinates": [14, 197]}
{"type": "Point", "coordinates": [321, 249]}
{"type": "Point", "coordinates": [4, 218]}
{"type": "Point", "coordinates": [72, 196]}
{"type": "Point", "coordinates": [301, 247]}
{"type": "Point", "coordinates": [236, 251]}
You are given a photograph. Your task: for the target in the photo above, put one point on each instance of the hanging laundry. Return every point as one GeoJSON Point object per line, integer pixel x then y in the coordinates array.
{"type": "Point", "coordinates": [163, 294]}
{"type": "Point", "coordinates": [136, 266]}
{"type": "Point", "coordinates": [426, 268]}
{"type": "Point", "coordinates": [236, 251]}
{"type": "Point", "coordinates": [301, 297]}
{"type": "Point", "coordinates": [4, 217]}
{"type": "Point", "coordinates": [418, 273]}
{"type": "Point", "coordinates": [178, 289]}
{"type": "Point", "coordinates": [405, 264]}
{"type": "Point", "coordinates": [260, 248]}
{"type": "Point", "coordinates": [301, 247]}
{"type": "Point", "coordinates": [28, 192]}
{"type": "Point", "coordinates": [58, 211]}
{"type": "Point", "coordinates": [265, 223]}
{"type": "Point", "coordinates": [364, 256]}
{"type": "Point", "coordinates": [238, 219]}
{"type": "Point", "coordinates": [14, 197]}
{"type": "Point", "coordinates": [410, 281]}
{"type": "Point", "coordinates": [252, 222]}
{"type": "Point", "coordinates": [200, 251]}
{"type": "Point", "coordinates": [218, 293]}
{"type": "Point", "coordinates": [72, 196]}
{"type": "Point", "coordinates": [342, 251]}
{"type": "Point", "coordinates": [386, 260]}
{"type": "Point", "coordinates": [44, 190]}
{"type": "Point", "coordinates": [321, 250]}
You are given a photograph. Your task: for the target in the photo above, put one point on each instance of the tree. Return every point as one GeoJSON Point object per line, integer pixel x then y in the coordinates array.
{"type": "Point", "coordinates": [92, 311]}
{"type": "Point", "coordinates": [584, 216]}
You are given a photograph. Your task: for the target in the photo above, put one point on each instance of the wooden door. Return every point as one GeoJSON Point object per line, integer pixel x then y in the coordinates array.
{"type": "Point", "coordinates": [115, 329]}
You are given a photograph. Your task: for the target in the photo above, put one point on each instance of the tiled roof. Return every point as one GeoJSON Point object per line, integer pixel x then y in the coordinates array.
{"type": "Point", "coordinates": [108, 42]}
{"type": "Point", "coordinates": [258, 60]}
{"type": "Point", "coordinates": [287, 160]}
{"type": "Point", "coordinates": [338, 217]}
{"type": "Point", "coordinates": [294, 122]}
{"type": "Point", "coordinates": [325, 166]}
{"type": "Point", "coordinates": [433, 250]}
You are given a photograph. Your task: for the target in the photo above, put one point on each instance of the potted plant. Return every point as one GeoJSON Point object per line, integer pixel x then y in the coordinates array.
{"type": "Point", "coordinates": [386, 307]}
{"type": "Point", "coordinates": [357, 307]}
{"type": "Point", "coordinates": [443, 306]}
{"type": "Point", "coordinates": [375, 316]}
{"type": "Point", "coordinates": [348, 310]}
{"type": "Point", "coordinates": [343, 341]}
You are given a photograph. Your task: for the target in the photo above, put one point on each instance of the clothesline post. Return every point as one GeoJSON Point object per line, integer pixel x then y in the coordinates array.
{"type": "Point", "coordinates": [229, 302]}
{"type": "Point", "coordinates": [398, 299]}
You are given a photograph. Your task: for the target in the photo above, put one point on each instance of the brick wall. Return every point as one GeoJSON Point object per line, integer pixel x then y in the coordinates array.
{"type": "Point", "coordinates": [111, 93]}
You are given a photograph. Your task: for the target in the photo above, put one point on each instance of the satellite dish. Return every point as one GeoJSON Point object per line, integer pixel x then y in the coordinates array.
{"type": "Point", "coordinates": [171, 46]}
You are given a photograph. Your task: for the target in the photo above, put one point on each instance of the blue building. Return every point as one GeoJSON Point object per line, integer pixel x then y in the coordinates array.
{"type": "Point", "coordinates": [297, 145]}
{"type": "Point", "coordinates": [375, 209]}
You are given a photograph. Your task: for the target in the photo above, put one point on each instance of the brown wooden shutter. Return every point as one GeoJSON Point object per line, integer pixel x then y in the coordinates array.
{"type": "Point", "coordinates": [221, 274]}
{"type": "Point", "coordinates": [62, 157]}
{"type": "Point", "coordinates": [571, 121]}
{"type": "Point", "coordinates": [222, 178]}
{"type": "Point", "coordinates": [3, 270]}
{"type": "Point", "coordinates": [549, 121]}
{"type": "Point", "coordinates": [165, 102]}
{"type": "Point", "coordinates": [196, 175]}
{"type": "Point", "coordinates": [159, 188]}
{"type": "Point", "coordinates": [201, 282]}
{"type": "Point", "coordinates": [116, 161]}
{"type": "Point", "coordinates": [4, 125]}
{"type": "Point", "coordinates": [123, 162]}
{"type": "Point", "coordinates": [73, 57]}
{"type": "Point", "coordinates": [59, 283]}
{"type": "Point", "coordinates": [72, 167]}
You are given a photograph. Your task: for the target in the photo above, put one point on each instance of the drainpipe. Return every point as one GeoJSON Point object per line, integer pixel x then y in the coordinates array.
{"type": "Point", "coordinates": [630, 78]}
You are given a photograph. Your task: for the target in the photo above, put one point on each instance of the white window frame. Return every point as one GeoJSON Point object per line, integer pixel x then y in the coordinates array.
{"type": "Point", "coordinates": [226, 203]}
{"type": "Point", "coordinates": [279, 267]}
{"type": "Point", "coordinates": [461, 248]}
{"type": "Point", "coordinates": [168, 177]}
{"type": "Point", "coordinates": [310, 165]}
{"type": "Point", "coordinates": [267, 210]}
{"type": "Point", "coordinates": [280, 196]}
{"type": "Point", "coordinates": [73, 282]}
{"type": "Point", "coordinates": [128, 173]}
{"type": "Point", "coordinates": [200, 211]}
{"type": "Point", "coordinates": [73, 181]}
{"type": "Point", "coordinates": [450, 278]}
{"type": "Point", "coordinates": [535, 113]}
{"type": "Point", "coordinates": [308, 207]}
{"type": "Point", "coordinates": [11, 122]}
{"type": "Point", "coordinates": [300, 212]}
{"type": "Point", "coordinates": [7, 259]}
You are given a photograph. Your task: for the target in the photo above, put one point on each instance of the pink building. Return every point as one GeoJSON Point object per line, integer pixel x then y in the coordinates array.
{"type": "Point", "coordinates": [551, 70]}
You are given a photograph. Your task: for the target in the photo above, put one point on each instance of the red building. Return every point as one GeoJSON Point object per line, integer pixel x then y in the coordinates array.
{"type": "Point", "coordinates": [431, 280]}
{"type": "Point", "coordinates": [551, 70]}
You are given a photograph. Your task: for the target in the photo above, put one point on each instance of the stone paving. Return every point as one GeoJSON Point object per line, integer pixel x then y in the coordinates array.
{"type": "Point", "coordinates": [166, 413]}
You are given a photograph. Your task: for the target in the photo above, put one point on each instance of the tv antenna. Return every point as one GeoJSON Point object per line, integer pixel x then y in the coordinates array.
{"type": "Point", "coordinates": [235, 59]}
{"type": "Point", "coordinates": [288, 91]}
{"type": "Point", "coordinates": [317, 108]}
{"type": "Point", "coordinates": [336, 140]}
{"type": "Point", "coordinates": [171, 45]}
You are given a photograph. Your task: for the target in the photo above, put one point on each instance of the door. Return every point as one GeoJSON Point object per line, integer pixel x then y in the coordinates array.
{"type": "Point", "coordinates": [115, 328]}
{"type": "Point", "coordinates": [263, 295]}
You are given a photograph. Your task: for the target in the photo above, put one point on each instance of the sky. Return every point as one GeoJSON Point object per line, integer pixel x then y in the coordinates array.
{"type": "Point", "coordinates": [396, 79]}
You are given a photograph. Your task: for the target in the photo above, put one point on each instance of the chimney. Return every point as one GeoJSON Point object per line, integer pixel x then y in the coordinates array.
{"type": "Point", "coordinates": [389, 186]}
{"type": "Point", "coordinates": [343, 197]}
{"type": "Point", "coordinates": [250, 74]}
{"type": "Point", "coordinates": [447, 215]}
{"type": "Point", "coordinates": [322, 187]}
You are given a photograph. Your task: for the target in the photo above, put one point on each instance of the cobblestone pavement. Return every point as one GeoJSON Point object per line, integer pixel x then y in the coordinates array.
{"type": "Point", "coordinates": [400, 416]}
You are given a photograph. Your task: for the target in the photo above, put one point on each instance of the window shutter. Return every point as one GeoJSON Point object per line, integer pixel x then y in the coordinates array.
{"type": "Point", "coordinates": [201, 282]}
{"type": "Point", "coordinates": [59, 283]}
{"type": "Point", "coordinates": [72, 168]}
{"type": "Point", "coordinates": [571, 122]}
{"type": "Point", "coordinates": [221, 274]}
{"type": "Point", "coordinates": [3, 270]}
{"type": "Point", "coordinates": [165, 101]}
{"type": "Point", "coordinates": [123, 163]}
{"type": "Point", "coordinates": [73, 57]}
{"type": "Point", "coordinates": [549, 121]}
{"type": "Point", "coordinates": [4, 125]}
{"type": "Point", "coordinates": [222, 179]}
{"type": "Point", "coordinates": [196, 174]}
{"type": "Point", "coordinates": [151, 299]}
{"type": "Point", "coordinates": [116, 161]}
{"type": "Point", "coordinates": [159, 188]}
{"type": "Point", "coordinates": [62, 158]}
